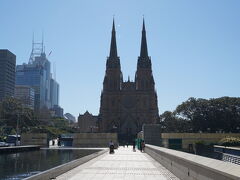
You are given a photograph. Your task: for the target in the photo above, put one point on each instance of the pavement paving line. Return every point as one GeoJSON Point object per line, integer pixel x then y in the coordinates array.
{"type": "Point", "coordinates": [124, 164]}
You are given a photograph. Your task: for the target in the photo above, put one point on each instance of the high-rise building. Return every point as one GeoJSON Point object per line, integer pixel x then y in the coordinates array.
{"type": "Point", "coordinates": [54, 92]}
{"type": "Point", "coordinates": [37, 74]}
{"type": "Point", "coordinates": [126, 106]}
{"type": "Point", "coordinates": [7, 73]}
{"type": "Point", "coordinates": [57, 111]}
{"type": "Point", "coordinates": [26, 95]}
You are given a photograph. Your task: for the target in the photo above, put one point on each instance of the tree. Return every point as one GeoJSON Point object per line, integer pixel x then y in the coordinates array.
{"type": "Point", "coordinates": [220, 114]}
{"type": "Point", "coordinates": [11, 111]}
{"type": "Point", "coordinates": [171, 123]}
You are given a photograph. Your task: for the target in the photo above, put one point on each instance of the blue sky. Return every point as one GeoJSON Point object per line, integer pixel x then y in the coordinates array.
{"type": "Point", "coordinates": [194, 45]}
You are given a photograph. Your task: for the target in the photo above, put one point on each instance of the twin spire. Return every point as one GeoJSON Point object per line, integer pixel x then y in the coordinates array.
{"type": "Point", "coordinates": [144, 50]}
{"type": "Point", "coordinates": [113, 47]}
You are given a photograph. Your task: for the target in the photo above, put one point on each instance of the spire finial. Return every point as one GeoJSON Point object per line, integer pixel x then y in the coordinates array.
{"type": "Point", "coordinates": [143, 24]}
{"type": "Point", "coordinates": [144, 50]}
{"type": "Point", "coordinates": [113, 25]}
{"type": "Point", "coordinates": [113, 47]}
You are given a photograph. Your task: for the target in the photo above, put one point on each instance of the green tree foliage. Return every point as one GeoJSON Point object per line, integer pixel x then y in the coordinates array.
{"type": "Point", "coordinates": [229, 141]}
{"type": "Point", "coordinates": [171, 123]}
{"type": "Point", "coordinates": [12, 110]}
{"type": "Point", "coordinates": [194, 115]}
{"type": "Point", "coordinates": [40, 121]}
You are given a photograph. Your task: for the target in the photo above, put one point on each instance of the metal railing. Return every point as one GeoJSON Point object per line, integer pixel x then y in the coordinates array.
{"type": "Point", "coordinates": [231, 158]}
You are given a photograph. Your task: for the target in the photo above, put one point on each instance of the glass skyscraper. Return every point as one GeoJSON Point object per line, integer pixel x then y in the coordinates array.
{"type": "Point", "coordinates": [54, 93]}
{"type": "Point", "coordinates": [37, 75]}
{"type": "Point", "coordinates": [26, 95]}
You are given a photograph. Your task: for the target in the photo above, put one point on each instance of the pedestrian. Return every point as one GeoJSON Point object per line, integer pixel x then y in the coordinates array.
{"type": "Point", "coordinates": [111, 147]}
{"type": "Point", "coordinates": [134, 144]}
{"type": "Point", "coordinates": [143, 145]}
{"type": "Point", "coordinates": [59, 142]}
{"type": "Point", "coordinates": [140, 145]}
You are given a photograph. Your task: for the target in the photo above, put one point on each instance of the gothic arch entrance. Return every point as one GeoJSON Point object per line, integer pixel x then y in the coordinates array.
{"type": "Point", "coordinates": [128, 131]}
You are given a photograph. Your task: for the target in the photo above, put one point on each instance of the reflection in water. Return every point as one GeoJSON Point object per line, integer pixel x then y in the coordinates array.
{"type": "Point", "coordinates": [24, 164]}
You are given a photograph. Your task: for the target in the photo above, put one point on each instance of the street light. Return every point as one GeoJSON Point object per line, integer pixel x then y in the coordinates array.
{"type": "Point", "coordinates": [17, 128]}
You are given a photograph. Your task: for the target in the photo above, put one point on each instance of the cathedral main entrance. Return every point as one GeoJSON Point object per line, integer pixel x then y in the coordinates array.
{"type": "Point", "coordinates": [127, 138]}
{"type": "Point", "coordinates": [128, 131]}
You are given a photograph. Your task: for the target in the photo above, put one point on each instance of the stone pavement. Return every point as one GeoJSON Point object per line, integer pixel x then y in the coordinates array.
{"type": "Point", "coordinates": [124, 164]}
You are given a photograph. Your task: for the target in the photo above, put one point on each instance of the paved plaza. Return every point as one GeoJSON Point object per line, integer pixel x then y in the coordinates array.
{"type": "Point", "coordinates": [124, 164]}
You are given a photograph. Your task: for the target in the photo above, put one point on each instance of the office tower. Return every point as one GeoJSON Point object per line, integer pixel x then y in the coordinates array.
{"type": "Point", "coordinates": [25, 94]}
{"type": "Point", "coordinates": [37, 75]}
{"type": "Point", "coordinates": [54, 92]}
{"type": "Point", "coordinates": [7, 73]}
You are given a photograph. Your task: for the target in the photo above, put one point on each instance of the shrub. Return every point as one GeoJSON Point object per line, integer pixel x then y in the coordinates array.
{"type": "Point", "coordinates": [229, 141]}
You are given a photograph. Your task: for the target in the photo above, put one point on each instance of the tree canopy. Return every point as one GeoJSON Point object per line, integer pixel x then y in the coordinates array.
{"type": "Point", "coordinates": [194, 115]}
{"type": "Point", "coordinates": [11, 111]}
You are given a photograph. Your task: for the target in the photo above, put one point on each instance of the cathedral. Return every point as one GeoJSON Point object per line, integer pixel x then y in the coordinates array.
{"type": "Point", "coordinates": [126, 105]}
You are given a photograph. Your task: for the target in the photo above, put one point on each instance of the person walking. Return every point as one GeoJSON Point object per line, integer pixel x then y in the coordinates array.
{"type": "Point", "coordinates": [111, 147]}
{"type": "Point", "coordinates": [142, 145]}
{"type": "Point", "coordinates": [134, 144]}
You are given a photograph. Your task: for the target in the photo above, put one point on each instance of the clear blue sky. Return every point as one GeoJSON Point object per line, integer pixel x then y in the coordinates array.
{"type": "Point", "coordinates": [194, 45]}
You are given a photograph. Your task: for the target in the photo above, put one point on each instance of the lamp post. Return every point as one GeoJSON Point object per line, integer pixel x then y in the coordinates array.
{"type": "Point", "coordinates": [17, 128]}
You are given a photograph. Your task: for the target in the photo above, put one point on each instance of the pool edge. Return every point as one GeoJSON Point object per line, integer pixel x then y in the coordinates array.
{"type": "Point", "coordinates": [58, 170]}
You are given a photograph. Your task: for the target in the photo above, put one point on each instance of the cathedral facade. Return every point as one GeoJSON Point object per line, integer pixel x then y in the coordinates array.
{"type": "Point", "coordinates": [126, 105]}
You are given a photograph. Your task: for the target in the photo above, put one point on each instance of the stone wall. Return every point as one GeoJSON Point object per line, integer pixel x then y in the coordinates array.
{"type": "Point", "coordinates": [152, 134]}
{"type": "Point", "coordinates": [193, 167]}
{"type": "Point", "coordinates": [34, 139]}
{"type": "Point", "coordinates": [192, 138]}
{"type": "Point", "coordinates": [94, 139]}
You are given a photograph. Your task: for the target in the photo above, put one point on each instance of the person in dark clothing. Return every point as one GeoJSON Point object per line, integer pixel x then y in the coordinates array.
{"type": "Point", "coordinates": [140, 145]}
{"type": "Point", "coordinates": [143, 146]}
{"type": "Point", "coordinates": [111, 147]}
{"type": "Point", "coordinates": [134, 144]}
{"type": "Point", "coordinates": [59, 141]}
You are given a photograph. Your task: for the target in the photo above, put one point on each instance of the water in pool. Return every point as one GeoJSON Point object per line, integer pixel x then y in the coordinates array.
{"type": "Point", "coordinates": [24, 164]}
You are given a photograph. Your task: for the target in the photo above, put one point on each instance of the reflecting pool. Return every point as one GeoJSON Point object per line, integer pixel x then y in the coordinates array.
{"type": "Point", "coordinates": [24, 164]}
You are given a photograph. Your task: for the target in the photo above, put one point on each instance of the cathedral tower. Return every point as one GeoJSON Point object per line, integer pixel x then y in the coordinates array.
{"type": "Point", "coordinates": [144, 78]}
{"type": "Point", "coordinates": [111, 87]}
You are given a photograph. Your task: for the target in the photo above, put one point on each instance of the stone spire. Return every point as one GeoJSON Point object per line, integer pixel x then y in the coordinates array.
{"type": "Point", "coordinates": [144, 50]}
{"type": "Point", "coordinates": [113, 47]}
